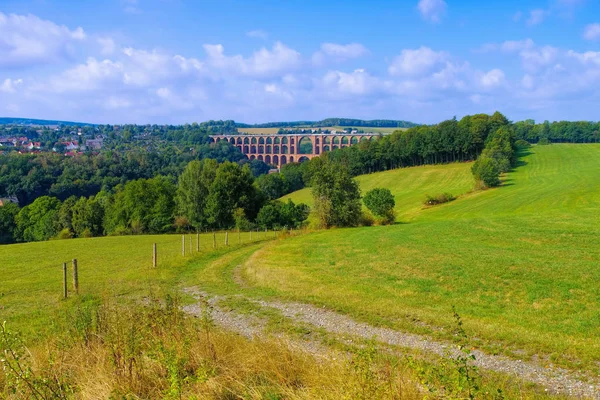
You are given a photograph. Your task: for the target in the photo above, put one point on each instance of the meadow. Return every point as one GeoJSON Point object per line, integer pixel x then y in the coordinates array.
{"type": "Point", "coordinates": [119, 267]}
{"type": "Point", "coordinates": [519, 263]}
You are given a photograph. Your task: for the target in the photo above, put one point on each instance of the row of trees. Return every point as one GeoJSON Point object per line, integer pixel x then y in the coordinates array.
{"type": "Point", "coordinates": [559, 132]}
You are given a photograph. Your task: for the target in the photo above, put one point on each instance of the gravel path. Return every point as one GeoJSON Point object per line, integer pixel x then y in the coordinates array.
{"type": "Point", "coordinates": [246, 325]}
{"type": "Point", "coordinates": [555, 380]}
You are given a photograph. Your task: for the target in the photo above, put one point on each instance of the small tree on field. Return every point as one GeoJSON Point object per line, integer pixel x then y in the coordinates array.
{"type": "Point", "coordinates": [336, 196]}
{"type": "Point", "coordinates": [381, 203]}
{"type": "Point", "coordinates": [486, 171]}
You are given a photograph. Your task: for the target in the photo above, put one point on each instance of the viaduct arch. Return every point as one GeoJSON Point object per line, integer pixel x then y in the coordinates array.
{"type": "Point", "coordinates": [280, 149]}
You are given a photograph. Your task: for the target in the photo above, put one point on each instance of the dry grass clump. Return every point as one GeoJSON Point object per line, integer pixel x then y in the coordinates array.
{"type": "Point", "coordinates": [154, 351]}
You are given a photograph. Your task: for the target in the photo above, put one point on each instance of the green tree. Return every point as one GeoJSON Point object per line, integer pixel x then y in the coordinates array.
{"type": "Point", "coordinates": [142, 206]}
{"type": "Point", "coordinates": [381, 203]}
{"type": "Point", "coordinates": [232, 188]}
{"type": "Point", "coordinates": [88, 215]}
{"type": "Point", "coordinates": [273, 186]}
{"type": "Point", "coordinates": [8, 214]}
{"type": "Point", "coordinates": [39, 220]}
{"type": "Point", "coordinates": [486, 171]}
{"type": "Point", "coordinates": [336, 196]}
{"type": "Point", "coordinates": [193, 189]}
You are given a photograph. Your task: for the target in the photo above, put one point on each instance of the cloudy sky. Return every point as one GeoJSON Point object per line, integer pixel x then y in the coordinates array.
{"type": "Point", "coordinates": [176, 61]}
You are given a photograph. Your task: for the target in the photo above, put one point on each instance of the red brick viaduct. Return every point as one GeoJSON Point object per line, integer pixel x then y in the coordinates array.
{"type": "Point", "coordinates": [280, 149]}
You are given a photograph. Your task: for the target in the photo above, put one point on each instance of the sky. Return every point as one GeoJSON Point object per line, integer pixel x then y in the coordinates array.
{"type": "Point", "coordinates": [177, 61]}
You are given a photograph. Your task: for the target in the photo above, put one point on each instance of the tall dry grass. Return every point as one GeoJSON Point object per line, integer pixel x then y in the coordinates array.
{"type": "Point", "coordinates": [153, 351]}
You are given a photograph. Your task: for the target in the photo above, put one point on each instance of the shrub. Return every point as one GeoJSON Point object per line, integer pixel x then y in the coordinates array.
{"type": "Point", "coordinates": [381, 203]}
{"type": "Point", "coordinates": [86, 233]}
{"type": "Point", "coordinates": [439, 199]}
{"type": "Point", "coordinates": [544, 141]}
{"type": "Point", "coordinates": [65, 234]}
{"type": "Point", "coordinates": [366, 219]}
{"type": "Point", "coordinates": [522, 144]}
{"type": "Point", "coordinates": [486, 171]}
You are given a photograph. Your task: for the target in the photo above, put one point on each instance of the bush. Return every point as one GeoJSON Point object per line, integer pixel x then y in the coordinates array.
{"type": "Point", "coordinates": [486, 172]}
{"type": "Point", "coordinates": [439, 199]}
{"type": "Point", "coordinates": [544, 141]}
{"type": "Point", "coordinates": [381, 203]}
{"type": "Point", "coordinates": [65, 234]}
{"type": "Point", "coordinates": [522, 144]}
{"type": "Point", "coordinates": [86, 233]}
{"type": "Point", "coordinates": [366, 219]}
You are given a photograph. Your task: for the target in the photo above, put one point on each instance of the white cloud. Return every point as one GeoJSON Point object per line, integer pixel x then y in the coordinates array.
{"type": "Point", "coordinates": [592, 32]}
{"type": "Point", "coordinates": [258, 33]}
{"type": "Point", "coordinates": [432, 10]}
{"type": "Point", "coordinates": [338, 52]}
{"type": "Point", "coordinates": [263, 63]}
{"type": "Point", "coordinates": [27, 40]}
{"type": "Point", "coordinates": [537, 16]}
{"type": "Point", "coordinates": [352, 50]}
{"type": "Point", "coordinates": [493, 78]}
{"type": "Point", "coordinates": [417, 62]}
{"type": "Point", "coordinates": [10, 86]}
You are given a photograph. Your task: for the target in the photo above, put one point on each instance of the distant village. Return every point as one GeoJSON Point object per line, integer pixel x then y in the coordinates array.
{"type": "Point", "coordinates": [70, 142]}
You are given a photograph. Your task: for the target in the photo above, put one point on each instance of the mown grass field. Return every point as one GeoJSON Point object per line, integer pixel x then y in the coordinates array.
{"type": "Point", "coordinates": [520, 262]}
{"type": "Point", "coordinates": [410, 185]}
{"type": "Point", "coordinates": [113, 267]}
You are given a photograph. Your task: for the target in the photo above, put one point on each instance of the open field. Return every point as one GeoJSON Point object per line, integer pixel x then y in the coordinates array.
{"type": "Point", "coordinates": [410, 185]}
{"type": "Point", "coordinates": [31, 285]}
{"type": "Point", "coordinates": [519, 262]}
{"type": "Point", "coordinates": [275, 130]}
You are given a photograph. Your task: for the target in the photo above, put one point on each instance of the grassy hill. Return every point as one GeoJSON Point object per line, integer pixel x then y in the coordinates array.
{"type": "Point", "coordinates": [519, 263]}
{"type": "Point", "coordinates": [410, 185]}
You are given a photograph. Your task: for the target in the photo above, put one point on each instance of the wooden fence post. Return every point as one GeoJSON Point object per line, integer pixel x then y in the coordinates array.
{"type": "Point", "coordinates": [226, 238]}
{"type": "Point", "coordinates": [154, 260]}
{"type": "Point", "coordinates": [183, 245]}
{"type": "Point", "coordinates": [65, 289]}
{"type": "Point", "coordinates": [239, 236]}
{"type": "Point", "coordinates": [214, 240]}
{"type": "Point", "coordinates": [250, 234]}
{"type": "Point", "coordinates": [75, 276]}
{"type": "Point", "coordinates": [198, 242]}
{"type": "Point", "coordinates": [191, 248]}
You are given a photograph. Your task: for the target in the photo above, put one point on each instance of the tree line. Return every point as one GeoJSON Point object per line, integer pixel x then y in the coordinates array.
{"type": "Point", "coordinates": [206, 195]}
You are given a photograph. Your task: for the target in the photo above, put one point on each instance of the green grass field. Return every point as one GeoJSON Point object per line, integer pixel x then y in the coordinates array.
{"type": "Point", "coordinates": [519, 262]}
{"type": "Point", "coordinates": [115, 267]}
{"type": "Point", "coordinates": [410, 185]}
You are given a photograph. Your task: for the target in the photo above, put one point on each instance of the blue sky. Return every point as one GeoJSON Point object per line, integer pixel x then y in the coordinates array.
{"type": "Point", "coordinates": [176, 61]}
